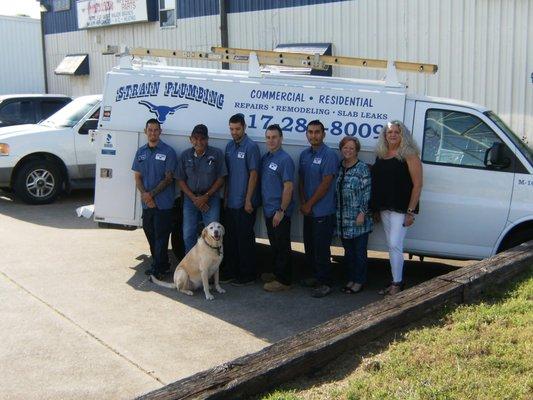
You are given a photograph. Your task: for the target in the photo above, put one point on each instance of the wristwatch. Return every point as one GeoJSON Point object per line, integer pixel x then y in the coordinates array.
{"type": "Point", "coordinates": [410, 211]}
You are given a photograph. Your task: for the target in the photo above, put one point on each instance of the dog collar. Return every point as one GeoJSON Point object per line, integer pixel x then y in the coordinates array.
{"type": "Point", "coordinates": [213, 247]}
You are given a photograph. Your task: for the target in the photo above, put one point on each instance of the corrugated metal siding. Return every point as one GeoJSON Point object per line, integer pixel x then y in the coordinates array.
{"type": "Point", "coordinates": [192, 34]}
{"type": "Point", "coordinates": [21, 60]}
{"type": "Point", "coordinates": [61, 21]}
{"type": "Point", "coordinates": [481, 46]}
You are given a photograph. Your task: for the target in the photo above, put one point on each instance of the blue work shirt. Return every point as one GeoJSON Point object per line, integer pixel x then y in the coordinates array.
{"type": "Point", "coordinates": [153, 163]}
{"type": "Point", "coordinates": [276, 169]}
{"type": "Point", "coordinates": [201, 172]}
{"type": "Point", "coordinates": [241, 158]}
{"type": "Point", "coordinates": [314, 165]}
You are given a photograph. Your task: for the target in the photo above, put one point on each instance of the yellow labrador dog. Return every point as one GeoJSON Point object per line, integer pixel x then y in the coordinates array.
{"type": "Point", "coordinates": [199, 264]}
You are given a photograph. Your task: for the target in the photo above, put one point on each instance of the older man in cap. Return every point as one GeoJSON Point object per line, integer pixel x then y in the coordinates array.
{"type": "Point", "coordinates": [201, 172]}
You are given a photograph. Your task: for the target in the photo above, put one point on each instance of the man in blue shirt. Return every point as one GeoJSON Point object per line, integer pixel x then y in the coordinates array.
{"type": "Point", "coordinates": [201, 172]}
{"type": "Point", "coordinates": [241, 200]}
{"type": "Point", "coordinates": [317, 168]}
{"type": "Point", "coordinates": [154, 167]}
{"type": "Point", "coordinates": [277, 178]}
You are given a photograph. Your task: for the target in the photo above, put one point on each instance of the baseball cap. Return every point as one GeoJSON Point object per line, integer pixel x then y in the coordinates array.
{"type": "Point", "coordinates": [200, 129]}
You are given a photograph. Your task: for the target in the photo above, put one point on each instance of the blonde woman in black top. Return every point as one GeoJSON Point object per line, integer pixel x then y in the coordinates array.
{"type": "Point", "coordinates": [396, 187]}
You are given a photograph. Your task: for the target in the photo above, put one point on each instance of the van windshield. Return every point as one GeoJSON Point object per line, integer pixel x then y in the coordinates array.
{"type": "Point", "coordinates": [521, 145]}
{"type": "Point", "coordinates": [70, 115]}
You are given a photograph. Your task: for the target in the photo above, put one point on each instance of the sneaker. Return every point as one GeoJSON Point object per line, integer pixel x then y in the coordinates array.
{"type": "Point", "coordinates": [321, 291]}
{"type": "Point", "coordinates": [149, 271]}
{"type": "Point", "coordinates": [243, 282]}
{"type": "Point", "coordinates": [275, 286]}
{"type": "Point", "coordinates": [268, 277]}
{"type": "Point", "coordinates": [310, 282]}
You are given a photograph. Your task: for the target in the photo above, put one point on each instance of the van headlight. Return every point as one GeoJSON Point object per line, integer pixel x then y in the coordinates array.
{"type": "Point", "coordinates": [4, 149]}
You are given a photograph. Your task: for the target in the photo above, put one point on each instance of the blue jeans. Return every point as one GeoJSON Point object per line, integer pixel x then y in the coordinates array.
{"type": "Point", "coordinates": [356, 258]}
{"type": "Point", "coordinates": [192, 217]}
{"type": "Point", "coordinates": [157, 225]}
{"type": "Point", "coordinates": [318, 233]}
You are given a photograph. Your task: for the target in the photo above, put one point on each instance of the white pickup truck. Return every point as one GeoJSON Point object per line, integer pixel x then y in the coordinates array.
{"type": "Point", "coordinates": [38, 161]}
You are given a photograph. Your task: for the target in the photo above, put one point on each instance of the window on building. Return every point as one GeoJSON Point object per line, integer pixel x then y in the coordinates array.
{"type": "Point", "coordinates": [167, 13]}
{"type": "Point", "coordinates": [61, 5]}
{"type": "Point", "coordinates": [456, 138]}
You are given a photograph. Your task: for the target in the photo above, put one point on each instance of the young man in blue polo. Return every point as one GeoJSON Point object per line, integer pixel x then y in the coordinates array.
{"type": "Point", "coordinates": [201, 172]}
{"type": "Point", "coordinates": [154, 166]}
{"type": "Point", "coordinates": [277, 180]}
{"type": "Point", "coordinates": [241, 200]}
{"type": "Point", "coordinates": [317, 169]}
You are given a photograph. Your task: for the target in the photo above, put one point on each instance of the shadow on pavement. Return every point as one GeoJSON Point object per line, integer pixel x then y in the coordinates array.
{"type": "Point", "coordinates": [60, 214]}
{"type": "Point", "coordinates": [274, 316]}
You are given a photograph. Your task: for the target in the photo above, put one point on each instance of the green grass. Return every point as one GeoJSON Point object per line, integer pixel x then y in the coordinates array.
{"type": "Point", "coordinates": [477, 351]}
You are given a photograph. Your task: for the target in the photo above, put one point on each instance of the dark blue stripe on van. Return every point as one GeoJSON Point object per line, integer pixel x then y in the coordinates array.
{"type": "Point", "coordinates": [66, 21]}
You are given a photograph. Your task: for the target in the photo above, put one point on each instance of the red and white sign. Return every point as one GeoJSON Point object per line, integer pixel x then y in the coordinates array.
{"type": "Point", "coordinates": [97, 13]}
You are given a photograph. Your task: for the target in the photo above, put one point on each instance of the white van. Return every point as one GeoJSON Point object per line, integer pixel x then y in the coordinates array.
{"type": "Point", "coordinates": [477, 197]}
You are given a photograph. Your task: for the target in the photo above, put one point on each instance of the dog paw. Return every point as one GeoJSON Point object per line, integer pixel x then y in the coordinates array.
{"type": "Point", "coordinates": [209, 297]}
{"type": "Point", "coordinates": [220, 290]}
{"type": "Point", "coordinates": [187, 292]}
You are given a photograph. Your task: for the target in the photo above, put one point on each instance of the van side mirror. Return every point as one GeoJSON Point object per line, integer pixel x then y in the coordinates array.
{"type": "Point", "coordinates": [91, 123]}
{"type": "Point", "coordinates": [495, 157]}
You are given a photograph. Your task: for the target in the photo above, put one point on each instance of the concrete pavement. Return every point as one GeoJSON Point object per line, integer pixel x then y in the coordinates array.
{"type": "Point", "coordinates": [80, 319]}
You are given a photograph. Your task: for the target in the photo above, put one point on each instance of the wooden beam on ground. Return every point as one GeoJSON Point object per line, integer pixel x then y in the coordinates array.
{"type": "Point", "coordinates": [305, 351]}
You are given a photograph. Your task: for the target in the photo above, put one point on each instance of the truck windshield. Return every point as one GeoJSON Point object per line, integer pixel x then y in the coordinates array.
{"type": "Point", "coordinates": [521, 145]}
{"type": "Point", "coordinates": [69, 115]}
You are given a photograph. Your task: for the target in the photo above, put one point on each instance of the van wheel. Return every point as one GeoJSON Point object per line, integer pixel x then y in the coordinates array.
{"type": "Point", "coordinates": [38, 182]}
{"type": "Point", "coordinates": [516, 238]}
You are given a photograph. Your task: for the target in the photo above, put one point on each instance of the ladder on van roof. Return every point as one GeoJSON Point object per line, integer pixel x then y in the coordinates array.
{"type": "Point", "coordinates": [254, 58]}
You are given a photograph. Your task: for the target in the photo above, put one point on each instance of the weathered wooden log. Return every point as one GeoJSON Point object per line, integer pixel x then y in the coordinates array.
{"type": "Point", "coordinates": [305, 351]}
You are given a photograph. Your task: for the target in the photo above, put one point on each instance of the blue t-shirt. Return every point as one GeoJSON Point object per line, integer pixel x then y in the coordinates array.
{"type": "Point", "coordinates": [314, 165]}
{"type": "Point", "coordinates": [276, 169]}
{"type": "Point", "coordinates": [200, 173]}
{"type": "Point", "coordinates": [241, 158]}
{"type": "Point", "coordinates": [153, 163]}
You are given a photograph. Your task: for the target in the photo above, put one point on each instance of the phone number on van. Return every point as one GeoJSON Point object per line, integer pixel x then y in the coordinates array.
{"type": "Point", "coordinates": [337, 128]}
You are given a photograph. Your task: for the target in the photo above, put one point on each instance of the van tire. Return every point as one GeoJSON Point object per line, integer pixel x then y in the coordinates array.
{"type": "Point", "coordinates": [38, 182]}
{"type": "Point", "coordinates": [516, 238]}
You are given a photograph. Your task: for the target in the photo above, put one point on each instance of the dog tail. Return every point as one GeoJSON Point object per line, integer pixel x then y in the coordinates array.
{"type": "Point", "coordinates": [161, 283]}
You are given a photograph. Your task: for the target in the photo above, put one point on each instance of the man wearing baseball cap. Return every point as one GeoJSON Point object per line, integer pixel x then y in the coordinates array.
{"type": "Point", "coordinates": [201, 171]}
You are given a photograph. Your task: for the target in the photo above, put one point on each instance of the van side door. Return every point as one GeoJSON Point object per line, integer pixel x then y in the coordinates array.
{"type": "Point", "coordinates": [465, 200]}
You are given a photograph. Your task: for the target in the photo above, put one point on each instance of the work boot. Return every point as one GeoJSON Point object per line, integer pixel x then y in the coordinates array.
{"type": "Point", "coordinates": [275, 286]}
{"type": "Point", "coordinates": [321, 291]}
{"type": "Point", "coordinates": [268, 277]}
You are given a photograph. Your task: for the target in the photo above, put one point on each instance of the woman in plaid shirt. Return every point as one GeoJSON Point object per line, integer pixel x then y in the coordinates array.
{"type": "Point", "coordinates": [354, 222]}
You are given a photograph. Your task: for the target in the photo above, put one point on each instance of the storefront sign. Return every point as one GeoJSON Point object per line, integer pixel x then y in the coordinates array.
{"type": "Point", "coordinates": [97, 13]}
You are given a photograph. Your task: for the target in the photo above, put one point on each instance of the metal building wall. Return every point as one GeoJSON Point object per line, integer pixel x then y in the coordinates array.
{"type": "Point", "coordinates": [481, 46]}
{"type": "Point", "coordinates": [192, 33]}
{"type": "Point", "coordinates": [21, 60]}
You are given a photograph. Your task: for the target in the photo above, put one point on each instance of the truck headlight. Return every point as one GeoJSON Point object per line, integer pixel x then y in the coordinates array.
{"type": "Point", "coordinates": [4, 149]}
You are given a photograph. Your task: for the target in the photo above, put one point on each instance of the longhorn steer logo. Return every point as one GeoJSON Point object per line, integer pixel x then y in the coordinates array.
{"type": "Point", "coordinates": [162, 111]}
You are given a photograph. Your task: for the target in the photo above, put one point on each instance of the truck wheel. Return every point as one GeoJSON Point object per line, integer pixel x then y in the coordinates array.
{"type": "Point", "coordinates": [38, 182]}
{"type": "Point", "coordinates": [516, 238]}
